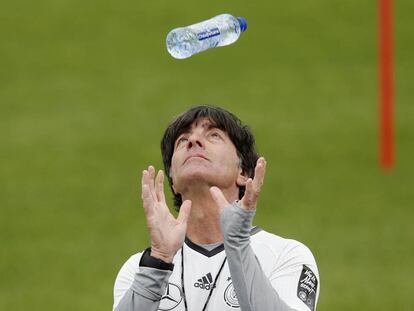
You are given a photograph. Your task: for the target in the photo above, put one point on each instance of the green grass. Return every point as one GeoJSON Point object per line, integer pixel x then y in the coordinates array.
{"type": "Point", "coordinates": [87, 88]}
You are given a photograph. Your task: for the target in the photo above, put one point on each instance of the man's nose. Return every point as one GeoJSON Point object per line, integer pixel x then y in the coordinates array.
{"type": "Point", "coordinates": [195, 141]}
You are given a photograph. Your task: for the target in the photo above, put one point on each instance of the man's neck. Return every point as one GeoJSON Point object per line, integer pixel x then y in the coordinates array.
{"type": "Point", "coordinates": [204, 222]}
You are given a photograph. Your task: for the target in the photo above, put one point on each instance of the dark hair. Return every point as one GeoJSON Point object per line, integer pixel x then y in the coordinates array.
{"type": "Point", "coordinates": [239, 134]}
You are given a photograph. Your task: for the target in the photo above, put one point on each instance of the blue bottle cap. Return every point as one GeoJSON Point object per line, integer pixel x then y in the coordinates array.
{"type": "Point", "coordinates": [243, 23]}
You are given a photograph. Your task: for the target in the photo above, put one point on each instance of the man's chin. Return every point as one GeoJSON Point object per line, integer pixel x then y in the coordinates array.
{"type": "Point", "coordinates": [198, 177]}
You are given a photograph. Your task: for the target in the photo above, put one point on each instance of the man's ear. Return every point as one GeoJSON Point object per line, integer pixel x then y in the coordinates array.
{"type": "Point", "coordinates": [241, 178]}
{"type": "Point", "coordinates": [172, 184]}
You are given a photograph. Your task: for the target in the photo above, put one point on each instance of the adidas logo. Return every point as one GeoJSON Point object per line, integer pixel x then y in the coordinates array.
{"type": "Point", "coordinates": [205, 282]}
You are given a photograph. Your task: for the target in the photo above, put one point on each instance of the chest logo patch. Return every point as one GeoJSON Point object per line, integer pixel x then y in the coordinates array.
{"type": "Point", "coordinates": [230, 296]}
{"type": "Point", "coordinates": [205, 282]}
{"type": "Point", "coordinates": [307, 287]}
{"type": "Point", "coordinates": [172, 298]}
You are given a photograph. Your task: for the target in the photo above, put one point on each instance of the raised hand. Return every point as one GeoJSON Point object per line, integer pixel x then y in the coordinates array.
{"type": "Point", "coordinates": [253, 186]}
{"type": "Point", "coordinates": [167, 233]}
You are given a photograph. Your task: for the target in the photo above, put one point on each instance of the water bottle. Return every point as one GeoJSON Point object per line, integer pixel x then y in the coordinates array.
{"type": "Point", "coordinates": [220, 30]}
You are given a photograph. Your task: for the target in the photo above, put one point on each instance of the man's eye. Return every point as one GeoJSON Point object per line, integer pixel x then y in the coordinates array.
{"type": "Point", "coordinates": [181, 140]}
{"type": "Point", "coordinates": [215, 135]}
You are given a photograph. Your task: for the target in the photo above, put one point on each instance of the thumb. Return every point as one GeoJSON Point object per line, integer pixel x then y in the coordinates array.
{"type": "Point", "coordinates": [219, 197]}
{"type": "Point", "coordinates": [184, 213]}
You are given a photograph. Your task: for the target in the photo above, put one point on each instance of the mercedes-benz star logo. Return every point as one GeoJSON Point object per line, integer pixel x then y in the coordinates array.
{"type": "Point", "coordinates": [172, 298]}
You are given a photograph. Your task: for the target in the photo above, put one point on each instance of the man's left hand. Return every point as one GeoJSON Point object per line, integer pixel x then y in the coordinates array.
{"type": "Point", "coordinates": [253, 186]}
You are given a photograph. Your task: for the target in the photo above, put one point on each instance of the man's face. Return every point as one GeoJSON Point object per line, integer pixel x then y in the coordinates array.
{"type": "Point", "coordinates": [204, 155]}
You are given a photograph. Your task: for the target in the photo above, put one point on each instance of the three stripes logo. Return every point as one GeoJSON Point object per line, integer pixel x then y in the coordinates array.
{"type": "Point", "coordinates": [205, 282]}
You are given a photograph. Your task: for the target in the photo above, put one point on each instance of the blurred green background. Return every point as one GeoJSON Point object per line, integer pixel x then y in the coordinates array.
{"type": "Point", "coordinates": [87, 89]}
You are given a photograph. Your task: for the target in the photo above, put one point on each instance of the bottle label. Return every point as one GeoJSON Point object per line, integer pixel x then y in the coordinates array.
{"type": "Point", "coordinates": [208, 34]}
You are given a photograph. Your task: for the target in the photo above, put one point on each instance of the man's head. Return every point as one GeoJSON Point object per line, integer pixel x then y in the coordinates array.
{"type": "Point", "coordinates": [203, 126]}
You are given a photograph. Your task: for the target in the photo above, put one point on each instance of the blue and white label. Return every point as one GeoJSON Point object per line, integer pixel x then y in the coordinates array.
{"type": "Point", "coordinates": [213, 32]}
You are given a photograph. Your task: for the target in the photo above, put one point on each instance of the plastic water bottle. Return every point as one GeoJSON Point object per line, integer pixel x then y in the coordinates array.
{"type": "Point", "coordinates": [220, 30]}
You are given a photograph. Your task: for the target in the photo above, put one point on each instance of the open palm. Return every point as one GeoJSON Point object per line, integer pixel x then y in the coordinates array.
{"type": "Point", "coordinates": [167, 233]}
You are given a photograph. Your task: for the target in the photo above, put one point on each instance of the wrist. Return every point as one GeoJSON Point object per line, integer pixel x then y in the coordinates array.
{"type": "Point", "coordinates": [159, 255]}
{"type": "Point", "coordinates": [147, 260]}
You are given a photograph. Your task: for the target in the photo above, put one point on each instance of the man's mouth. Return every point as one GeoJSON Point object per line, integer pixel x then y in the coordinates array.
{"type": "Point", "coordinates": [201, 156]}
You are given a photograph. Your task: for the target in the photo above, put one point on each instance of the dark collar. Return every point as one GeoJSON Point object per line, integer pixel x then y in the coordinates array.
{"type": "Point", "coordinates": [214, 251]}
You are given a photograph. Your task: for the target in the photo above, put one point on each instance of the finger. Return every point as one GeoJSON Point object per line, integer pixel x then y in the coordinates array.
{"type": "Point", "coordinates": [150, 181]}
{"type": "Point", "coordinates": [159, 186]}
{"type": "Point", "coordinates": [249, 199]}
{"type": "Point", "coordinates": [145, 191]}
{"type": "Point", "coordinates": [147, 200]}
{"type": "Point", "coordinates": [184, 213]}
{"type": "Point", "coordinates": [219, 197]}
{"type": "Point", "coordinates": [259, 174]}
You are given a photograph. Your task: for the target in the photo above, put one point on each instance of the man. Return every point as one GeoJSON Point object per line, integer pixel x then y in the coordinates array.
{"type": "Point", "coordinates": [210, 257]}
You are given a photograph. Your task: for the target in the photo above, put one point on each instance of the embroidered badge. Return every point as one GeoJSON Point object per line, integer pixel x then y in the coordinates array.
{"type": "Point", "coordinates": [230, 296]}
{"type": "Point", "coordinates": [307, 287]}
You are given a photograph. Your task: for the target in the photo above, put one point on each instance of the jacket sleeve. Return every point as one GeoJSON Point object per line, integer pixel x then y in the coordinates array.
{"type": "Point", "coordinates": [280, 289]}
{"type": "Point", "coordinates": [139, 288]}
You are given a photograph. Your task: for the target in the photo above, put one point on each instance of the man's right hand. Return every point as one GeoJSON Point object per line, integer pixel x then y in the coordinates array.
{"type": "Point", "coordinates": [166, 232]}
